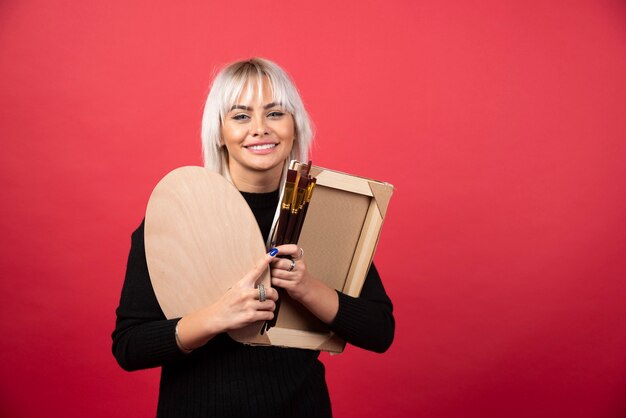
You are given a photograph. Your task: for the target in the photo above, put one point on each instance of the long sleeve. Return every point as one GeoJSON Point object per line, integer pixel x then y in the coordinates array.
{"type": "Point", "coordinates": [143, 337]}
{"type": "Point", "coordinates": [223, 378]}
{"type": "Point", "coordinates": [367, 321]}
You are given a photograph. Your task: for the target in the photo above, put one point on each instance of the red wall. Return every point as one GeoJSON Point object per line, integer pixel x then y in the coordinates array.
{"type": "Point", "coordinates": [501, 123]}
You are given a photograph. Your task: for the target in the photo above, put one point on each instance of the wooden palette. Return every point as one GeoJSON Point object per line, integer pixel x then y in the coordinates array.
{"type": "Point", "coordinates": [201, 238]}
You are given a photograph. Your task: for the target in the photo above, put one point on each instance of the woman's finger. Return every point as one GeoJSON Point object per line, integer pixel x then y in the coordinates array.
{"type": "Point", "coordinates": [268, 305]}
{"type": "Point", "coordinates": [283, 274]}
{"type": "Point", "coordinates": [270, 294]}
{"type": "Point", "coordinates": [289, 249]}
{"type": "Point", "coordinates": [253, 275]}
{"type": "Point", "coordinates": [283, 263]}
{"type": "Point", "coordinates": [282, 283]}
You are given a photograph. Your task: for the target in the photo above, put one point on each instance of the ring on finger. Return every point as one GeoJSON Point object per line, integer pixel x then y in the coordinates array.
{"type": "Point", "coordinates": [292, 266]}
{"type": "Point", "coordinates": [301, 254]}
{"type": "Point", "coordinates": [262, 295]}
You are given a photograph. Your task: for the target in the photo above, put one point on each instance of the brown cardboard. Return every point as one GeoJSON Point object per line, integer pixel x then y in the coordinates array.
{"type": "Point", "coordinates": [339, 238]}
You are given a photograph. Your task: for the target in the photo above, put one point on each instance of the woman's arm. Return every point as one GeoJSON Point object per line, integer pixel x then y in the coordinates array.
{"type": "Point", "coordinates": [366, 321]}
{"type": "Point", "coordinates": [144, 338]}
{"type": "Point", "coordinates": [238, 307]}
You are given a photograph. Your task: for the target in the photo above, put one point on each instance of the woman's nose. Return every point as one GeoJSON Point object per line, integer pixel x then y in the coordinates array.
{"type": "Point", "coordinates": [259, 127]}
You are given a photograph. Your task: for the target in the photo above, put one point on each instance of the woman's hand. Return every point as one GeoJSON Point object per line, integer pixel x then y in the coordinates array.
{"type": "Point", "coordinates": [292, 275]}
{"type": "Point", "coordinates": [238, 307]}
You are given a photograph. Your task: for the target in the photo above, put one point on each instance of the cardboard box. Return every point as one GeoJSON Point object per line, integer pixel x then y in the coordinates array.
{"type": "Point", "coordinates": [339, 238]}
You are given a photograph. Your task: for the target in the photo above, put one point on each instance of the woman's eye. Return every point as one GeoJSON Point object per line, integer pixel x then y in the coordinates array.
{"type": "Point", "coordinates": [240, 116]}
{"type": "Point", "coordinates": [275, 114]}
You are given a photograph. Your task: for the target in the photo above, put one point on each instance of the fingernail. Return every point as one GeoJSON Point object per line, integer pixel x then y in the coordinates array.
{"type": "Point", "coordinates": [273, 252]}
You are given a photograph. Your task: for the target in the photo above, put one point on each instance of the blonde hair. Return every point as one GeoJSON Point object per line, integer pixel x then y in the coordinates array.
{"type": "Point", "coordinates": [228, 86]}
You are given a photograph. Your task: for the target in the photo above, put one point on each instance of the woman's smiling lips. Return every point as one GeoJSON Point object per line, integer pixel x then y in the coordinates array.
{"type": "Point", "coordinates": [261, 148]}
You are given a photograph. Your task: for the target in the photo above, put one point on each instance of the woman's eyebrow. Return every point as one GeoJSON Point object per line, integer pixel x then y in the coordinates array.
{"type": "Point", "coordinates": [248, 108]}
{"type": "Point", "coordinates": [242, 107]}
{"type": "Point", "coordinates": [270, 105]}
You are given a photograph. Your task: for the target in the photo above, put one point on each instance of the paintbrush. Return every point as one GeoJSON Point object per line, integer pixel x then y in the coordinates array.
{"type": "Point", "coordinates": [305, 207]}
{"type": "Point", "coordinates": [285, 207]}
{"type": "Point", "coordinates": [296, 197]}
{"type": "Point", "coordinates": [294, 216]}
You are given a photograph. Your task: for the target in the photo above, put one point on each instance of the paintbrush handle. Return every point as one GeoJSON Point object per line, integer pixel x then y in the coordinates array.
{"type": "Point", "coordinates": [290, 225]}
{"type": "Point", "coordinates": [283, 220]}
{"type": "Point", "coordinates": [300, 224]}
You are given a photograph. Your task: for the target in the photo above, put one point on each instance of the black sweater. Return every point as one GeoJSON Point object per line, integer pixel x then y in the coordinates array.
{"type": "Point", "coordinates": [228, 379]}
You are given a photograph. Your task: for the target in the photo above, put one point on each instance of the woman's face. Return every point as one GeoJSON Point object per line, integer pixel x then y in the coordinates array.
{"type": "Point", "coordinates": [258, 135]}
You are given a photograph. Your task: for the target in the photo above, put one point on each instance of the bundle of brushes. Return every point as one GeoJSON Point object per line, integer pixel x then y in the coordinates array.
{"type": "Point", "coordinates": [297, 192]}
{"type": "Point", "coordinates": [296, 196]}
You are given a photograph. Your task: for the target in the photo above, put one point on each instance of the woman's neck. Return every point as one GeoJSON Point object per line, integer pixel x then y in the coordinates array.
{"type": "Point", "coordinates": [256, 182]}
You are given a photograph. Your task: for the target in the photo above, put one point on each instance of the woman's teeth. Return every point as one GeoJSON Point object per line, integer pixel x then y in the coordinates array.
{"type": "Point", "coordinates": [260, 147]}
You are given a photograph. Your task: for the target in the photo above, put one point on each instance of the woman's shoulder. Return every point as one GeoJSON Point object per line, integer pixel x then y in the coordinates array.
{"type": "Point", "coordinates": [138, 232]}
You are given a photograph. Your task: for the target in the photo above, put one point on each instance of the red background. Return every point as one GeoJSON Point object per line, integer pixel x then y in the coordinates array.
{"type": "Point", "coordinates": [501, 124]}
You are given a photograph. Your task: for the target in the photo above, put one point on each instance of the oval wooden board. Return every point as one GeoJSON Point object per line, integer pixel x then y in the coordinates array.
{"type": "Point", "coordinates": [201, 238]}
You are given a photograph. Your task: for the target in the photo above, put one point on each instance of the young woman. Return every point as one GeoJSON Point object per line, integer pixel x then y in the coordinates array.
{"type": "Point", "coordinates": [254, 123]}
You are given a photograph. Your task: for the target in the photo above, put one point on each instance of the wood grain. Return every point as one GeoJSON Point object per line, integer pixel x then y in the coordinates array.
{"type": "Point", "coordinates": [201, 238]}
